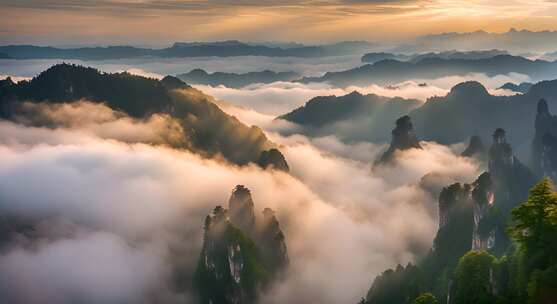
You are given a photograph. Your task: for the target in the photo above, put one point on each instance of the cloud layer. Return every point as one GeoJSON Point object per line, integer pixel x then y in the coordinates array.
{"type": "Point", "coordinates": [137, 210]}
{"type": "Point", "coordinates": [281, 97]}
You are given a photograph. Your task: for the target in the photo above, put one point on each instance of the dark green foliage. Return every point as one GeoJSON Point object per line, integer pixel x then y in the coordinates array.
{"type": "Point", "coordinates": [526, 274]}
{"type": "Point", "coordinates": [400, 285]}
{"type": "Point", "coordinates": [455, 238]}
{"type": "Point", "coordinates": [213, 280]}
{"type": "Point", "coordinates": [238, 258]}
{"type": "Point", "coordinates": [475, 278]}
{"type": "Point", "coordinates": [272, 158]}
{"type": "Point", "coordinates": [208, 129]}
{"type": "Point", "coordinates": [135, 95]}
{"type": "Point", "coordinates": [534, 225]}
{"type": "Point", "coordinates": [425, 298]}
{"type": "Point", "coordinates": [542, 287]}
{"type": "Point", "coordinates": [215, 131]}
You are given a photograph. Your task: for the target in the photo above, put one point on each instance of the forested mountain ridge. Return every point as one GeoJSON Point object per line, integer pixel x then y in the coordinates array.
{"type": "Point", "coordinates": [208, 130]}
{"type": "Point", "coordinates": [466, 110]}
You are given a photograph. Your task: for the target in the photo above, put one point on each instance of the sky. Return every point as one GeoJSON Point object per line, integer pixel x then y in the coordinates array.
{"type": "Point", "coordinates": [161, 22]}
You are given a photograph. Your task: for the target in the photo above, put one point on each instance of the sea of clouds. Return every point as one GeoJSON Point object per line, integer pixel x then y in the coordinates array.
{"type": "Point", "coordinates": [118, 215]}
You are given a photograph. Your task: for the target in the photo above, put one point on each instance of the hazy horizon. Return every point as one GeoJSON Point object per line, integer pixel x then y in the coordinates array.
{"type": "Point", "coordinates": [158, 23]}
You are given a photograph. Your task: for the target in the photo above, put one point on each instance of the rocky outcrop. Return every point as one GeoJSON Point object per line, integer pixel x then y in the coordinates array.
{"type": "Point", "coordinates": [544, 145]}
{"type": "Point", "coordinates": [500, 154]}
{"type": "Point", "coordinates": [172, 83]}
{"type": "Point", "coordinates": [273, 159]}
{"type": "Point", "coordinates": [483, 235]}
{"type": "Point", "coordinates": [272, 242]}
{"type": "Point", "coordinates": [240, 253]}
{"type": "Point", "coordinates": [475, 149]}
{"type": "Point", "coordinates": [242, 213]}
{"type": "Point", "coordinates": [450, 198]}
{"type": "Point", "coordinates": [403, 138]}
{"type": "Point", "coordinates": [511, 179]}
{"type": "Point", "coordinates": [229, 269]}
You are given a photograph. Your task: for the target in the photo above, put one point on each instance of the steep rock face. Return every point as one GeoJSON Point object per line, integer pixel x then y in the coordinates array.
{"type": "Point", "coordinates": [403, 138]}
{"type": "Point", "coordinates": [452, 197]}
{"type": "Point", "coordinates": [242, 213]}
{"type": "Point", "coordinates": [273, 159]}
{"type": "Point", "coordinates": [511, 179]}
{"type": "Point", "coordinates": [454, 236]}
{"type": "Point", "coordinates": [483, 236]}
{"type": "Point", "coordinates": [230, 270]}
{"type": "Point", "coordinates": [544, 145]}
{"type": "Point", "coordinates": [475, 149]}
{"type": "Point", "coordinates": [240, 254]}
{"type": "Point", "coordinates": [272, 242]}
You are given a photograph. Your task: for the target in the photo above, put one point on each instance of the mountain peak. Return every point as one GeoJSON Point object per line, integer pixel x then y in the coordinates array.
{"type": "Point", "coordinates": [171, 83]}
{"type": "Point", "coordinates": [475, 148]}
{"type": "Point", "coordinates": [468, 89]}
{"type": "Point", "coordinates": [241, 206]}
{"type": "Point", "coordinates": [274, 159]}
{"type": "Point", "coordinates": [403, 138]}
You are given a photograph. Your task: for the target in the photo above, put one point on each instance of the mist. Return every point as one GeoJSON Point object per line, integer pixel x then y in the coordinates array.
{"type": "Point", "coordinates": [154, 67]}
{"type": "Point", "coordinates": [281, 97]}
{"type": "Point", "coordinates": [136, 208]}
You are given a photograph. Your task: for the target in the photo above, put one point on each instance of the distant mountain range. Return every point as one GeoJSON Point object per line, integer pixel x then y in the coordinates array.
{"type": "Point", "coordinates": [523, 87]}
{"type": "Point", "coordinates": [352, 117]}
{"type": "Point", "coordinates": [468, 109]}
{"type": "Point", "coordinates": [189, 49]}
{"type": "Point", "coordinates": [470, 55]}
{"type": "Point", "coordinates": [513, 41]}
{"type": "Point", "coordinates": [393, 71]}
{"type": "Point", "coordinates": [234, 80]}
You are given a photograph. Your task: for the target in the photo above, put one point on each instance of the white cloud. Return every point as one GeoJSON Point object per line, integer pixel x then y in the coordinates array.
{"type": "Point", "coordinates": [281, 97]}
{"type": "Point", "coordinates": [338, 215]}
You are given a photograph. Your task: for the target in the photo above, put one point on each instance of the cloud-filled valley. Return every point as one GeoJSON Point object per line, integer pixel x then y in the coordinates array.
{"type": "Point", "coordinates": [367, 190]}
{"type": "Point", "coordinates": [137, 206]}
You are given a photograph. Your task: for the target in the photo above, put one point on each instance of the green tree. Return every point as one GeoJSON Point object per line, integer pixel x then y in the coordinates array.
{"type": "Point", "coordinates": [425, 298]}
{"type": "Point", "coordinates": [475, 278]}
{"type": "Point", "coordinates": [535, 225]}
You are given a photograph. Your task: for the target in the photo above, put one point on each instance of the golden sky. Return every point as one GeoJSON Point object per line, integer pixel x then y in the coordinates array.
{"type": "Point", "coordinates": [159, 22]}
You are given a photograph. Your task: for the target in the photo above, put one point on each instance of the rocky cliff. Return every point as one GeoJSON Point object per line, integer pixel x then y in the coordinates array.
{"type": "Point", "coordinates": [241, 254]}
{"type": "Point", "coordinates": [403, 138]}
{"type": "Point", "coordinates": [475, 149]}
{"type": "Point", "coordinates": [544, 145]}
{"type": "Point", "coordinates": [230, 269]}
{"type": "Point", "coordinates": [273, 159]}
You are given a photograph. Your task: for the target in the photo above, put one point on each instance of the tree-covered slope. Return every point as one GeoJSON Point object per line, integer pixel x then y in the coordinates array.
{"type": "Point", "coordinates": [208, 129]}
